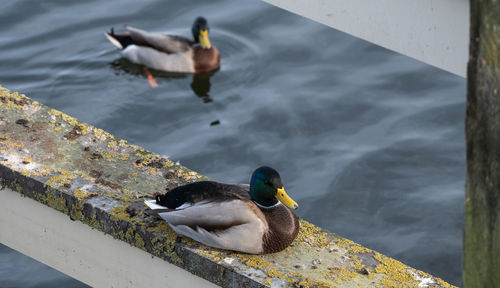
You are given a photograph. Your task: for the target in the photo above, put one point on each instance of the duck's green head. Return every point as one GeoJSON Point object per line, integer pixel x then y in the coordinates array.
{"type": "Point", "coordinates": [200, 32]}
{"type": "Point", "coordinates": [266, 188]}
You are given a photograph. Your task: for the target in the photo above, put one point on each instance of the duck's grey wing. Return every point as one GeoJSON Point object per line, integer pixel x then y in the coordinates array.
{"type": "Point", "coordinates": [215, 214]}
{"type": "Point", "coordinates": [207, 191]}
{"type": "Point", "coordinates": [231, 225]}
{"type": "Point", "coordinates": [161, 42]}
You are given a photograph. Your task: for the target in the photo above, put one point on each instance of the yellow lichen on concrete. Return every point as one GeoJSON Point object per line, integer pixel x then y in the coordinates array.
{"type": "Point", "coordinates": [82, 129]}
{"type": "Point", "coordinates": [109, 155]}
{"type": "Point", "coordinates": [189, 241]}
{"type": "Point", "coordinates": [274, 272]}
{"type": "Point", "coordinates": [188, 175]}
{"type": "Point", "coordinates": [101, 135]}
{"type": "Point", "coordinates": [312, 235]}
{"type": "Point", "coordinates": [12, 100]}
{"type": "Point", "coordinates": [150, 159]}
{"type": "Point", "coordinates": [311, 238]}
{"type": "Point", "coordinates": [116, 144]}
{"type": "Point", "coordinates": [137, 148]}
{"type": "Point", "coordinates": [120, 213]}
{"type": "Point", "coordinates": [343, 274]}
{"type": "Point", "coordinates": [344, 243]}
{"type": "Point", "coordinates": [39, 171]}
{"type": "Point", "coordinates": [139, 243]}
{"type": "Point", "coordinates": [161, 227]}
{"type": "Point", "coordinates": [65, 117]}
{"type": "Point", "coordinates": [167, 248]}
{"type": "Point", "coordinates": [254, 261]}
{"type": "Point", "coordinates": [353, 247]}
{"type": "Point", "coordinates": [124, 157]}
{"type": "Point", "coordinates": [210, 253]}
{"type": "Point", "coordinates": [8, 144]}
{"type": "Point", "coordinates": [63, 179]}
{"type": "Point", "coordinates": [170, 245]}
{"type": "Point", "coordinates": [58, 203]}
{"type": "Point", "coordinates": [82, 194]}
{"type": "Point", "coordinates": [397, 274]}
{"type": "Point", "coordinates": [79, 193]}
{"type": "Point", "coordinates": [76, 212]}
{"type": "Point", "coordinates": [27, 159]}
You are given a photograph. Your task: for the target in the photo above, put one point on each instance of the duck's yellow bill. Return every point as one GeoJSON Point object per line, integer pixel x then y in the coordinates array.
{"type": "Point", "coordinates": [285, 199]}
{"type": "Point", "coordinates": [204, 42]}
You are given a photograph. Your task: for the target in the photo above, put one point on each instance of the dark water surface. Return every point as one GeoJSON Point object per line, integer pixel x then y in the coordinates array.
{"type": "Point", "coordinates": [369, 143]}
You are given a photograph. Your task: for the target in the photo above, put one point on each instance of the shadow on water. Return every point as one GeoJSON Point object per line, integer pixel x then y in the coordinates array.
{"type": "Point", "coordinates": [200, 83]}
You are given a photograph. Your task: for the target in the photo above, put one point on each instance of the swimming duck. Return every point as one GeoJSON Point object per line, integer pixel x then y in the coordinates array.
{"type": "Point", "coordinates": [168, 52]}
{"type": "Point", "coordinates": [254, 219]}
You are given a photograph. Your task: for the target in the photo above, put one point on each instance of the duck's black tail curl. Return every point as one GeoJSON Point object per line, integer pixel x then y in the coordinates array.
{"type": "Point", "coordinates": [120, 40]}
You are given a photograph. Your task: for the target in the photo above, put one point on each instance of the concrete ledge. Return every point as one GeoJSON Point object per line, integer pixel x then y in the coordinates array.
{"type": "Point", "coordinates": [101, 181]}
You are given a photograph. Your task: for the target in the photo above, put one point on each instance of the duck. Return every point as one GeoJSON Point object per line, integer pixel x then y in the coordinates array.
{"type": "Point", "coordinates": [169, 53]}
{"type": "Point", "coordinates": [253, 219]}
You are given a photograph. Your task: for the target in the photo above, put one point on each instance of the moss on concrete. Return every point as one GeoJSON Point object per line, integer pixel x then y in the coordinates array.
{"type": "Point", "coordinates": [101, 180]}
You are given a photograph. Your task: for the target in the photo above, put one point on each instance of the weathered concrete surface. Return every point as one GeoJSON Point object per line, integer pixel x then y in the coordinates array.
{"type": "Point", "coordinates": [482, 207]}
{"type": "Point", "coordinates": [102, 181]}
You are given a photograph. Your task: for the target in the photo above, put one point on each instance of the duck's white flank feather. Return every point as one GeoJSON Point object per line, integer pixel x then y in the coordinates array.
{"type": "Point", "coordinates": [152, 204]}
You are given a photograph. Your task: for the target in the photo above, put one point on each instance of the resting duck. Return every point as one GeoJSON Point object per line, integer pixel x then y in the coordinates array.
{"type": "Point", "coordinates": [168, 52]}
{"type": "Point", "coordinates": [254, 219]}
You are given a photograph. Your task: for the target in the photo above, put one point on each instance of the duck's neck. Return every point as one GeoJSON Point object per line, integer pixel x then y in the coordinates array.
{"type": "Point", "coordinates": [261, 201]}
{"type": "Point", "coordinates": [266, 206]}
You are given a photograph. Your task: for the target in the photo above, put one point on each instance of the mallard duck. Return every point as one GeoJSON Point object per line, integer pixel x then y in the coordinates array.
{"type": "Point", "coordinates": [254, 219]}
{"type": "Point", "coordinates": [168, 52]}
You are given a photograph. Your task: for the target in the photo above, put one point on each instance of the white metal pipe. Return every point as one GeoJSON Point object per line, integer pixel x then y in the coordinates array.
{"type": "Point", "coordinates": [86, 254]}
{"type": "Point", "coordinates": [435, 32]}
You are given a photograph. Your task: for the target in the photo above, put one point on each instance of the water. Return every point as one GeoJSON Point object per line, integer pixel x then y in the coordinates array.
{"type": "Point", "coordinates": [369, 143]}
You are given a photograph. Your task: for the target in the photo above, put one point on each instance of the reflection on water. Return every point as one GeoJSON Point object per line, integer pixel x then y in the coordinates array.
{"type": "Point", "coordinates": [370, 143]}
{"type": "Point", "coordinates": [200, 82]}
{"type": "Point", "coordinates": [201, 85]}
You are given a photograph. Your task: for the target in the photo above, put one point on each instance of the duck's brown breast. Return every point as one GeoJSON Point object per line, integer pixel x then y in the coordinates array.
{"type": "Point", "coordinates": [283, 228]}
{"type": "Point", "coordinates": [205, 60]}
